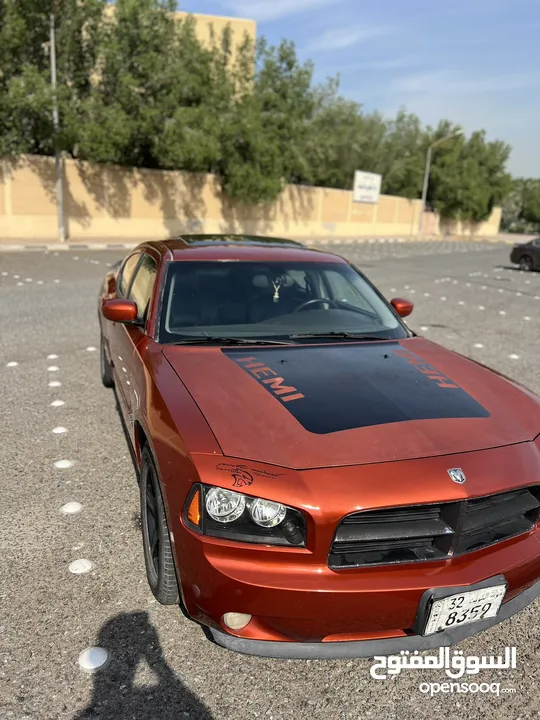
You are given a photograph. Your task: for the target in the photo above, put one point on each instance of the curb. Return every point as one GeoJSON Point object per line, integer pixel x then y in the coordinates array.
{"type": "Point", "coordinates": [309, 241]}
{"type": "Point", "coordinates": [67, 246]}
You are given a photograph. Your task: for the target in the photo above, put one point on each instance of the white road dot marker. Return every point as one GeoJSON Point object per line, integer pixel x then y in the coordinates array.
{"type": "Point", "coordinates": [478, 345]}
{"type": "Point", "coordinates": [40, 282]}
{"type": "Point", "coordinates": [53, 368]}
{"type": "Point", "coordinates": [55, 383]}
{"type": "Point", "coordinates": [52, 357]}
{"type": "Point", "coordinates": [513, 356]}
{"type": "Point", "coordinates": [20, 283]}
{"type": "Point", "coordinates": [443, 298]}
{"type": "Point", "coordinates": [16, 277]}
{"type": "Point", "coordinates": [518, 294]}
{"type": "Point", "coordinates": [423, 328]}
{"type": "Point", "coordinates": [63, 464]}
{"type": "Point", "coordinates": [481, 307]}
{"type": "Point", "coordinates": [4, 274]}
{"type": "Point", "coordinates": [502, 312]}
{"type": "Point", "coordinates": [56, 281]}
{"type": "Point", "coordinates": [71, 508]}
{"type": "Point", "coordinates": [93, 659]}
{"type": "Point", "coordinates": [426, 294]}
{"type": "Point", "coordinates": [483, 287]}
{"type": "Point", "coordinates": [57, 403]}
{"type": "Point", "coordinates": [461, 302]}
{"type": "Point", "coordinates": [27, 279]}
{"type": "Point", "coordinates": [12, 363]}
{"type": "Point", "coordinates": [526, 317]}
{"type": "Point", "coordinates": [79, 567]}
{"type": "Point", "coordinates": [392, 289]}
{"type": "Point", "coordinates": [59, 430]}
{"type": "Point", "coordinates": [91, 348]}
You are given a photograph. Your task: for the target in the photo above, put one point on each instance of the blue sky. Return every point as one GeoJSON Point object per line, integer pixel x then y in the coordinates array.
{"type": "Point", "coordinates": [475, 62]}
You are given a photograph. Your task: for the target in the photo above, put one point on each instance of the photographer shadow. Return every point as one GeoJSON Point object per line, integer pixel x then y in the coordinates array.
{"type": "Point", "coordinates": [130, 638]}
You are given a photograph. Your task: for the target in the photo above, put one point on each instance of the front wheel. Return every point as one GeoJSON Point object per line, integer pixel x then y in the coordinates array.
{"type": "Point", "coordinates": [157, 548]}
{"type": "Point", "coordinates": [106, 370]}
{"type": "Point", "coordinates": [526, 263]}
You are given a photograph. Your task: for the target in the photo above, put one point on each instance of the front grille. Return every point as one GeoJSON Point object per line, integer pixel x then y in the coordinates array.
{"type": "Point", "coordinates": [418, 533]}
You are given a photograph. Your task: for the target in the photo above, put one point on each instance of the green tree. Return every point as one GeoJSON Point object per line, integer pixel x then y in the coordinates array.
{"type": "Point", "coordinates": [25, 79]}
{"type": "Point", "coordinates": [468, 177]}
{"type": "Point", "coordinates": [530, 194]}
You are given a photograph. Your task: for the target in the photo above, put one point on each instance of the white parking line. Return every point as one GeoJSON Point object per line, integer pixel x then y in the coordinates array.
{"type": "Point", "coordinates": [71, 508]}
{"type": "Point", "coordinates": [63, 464]}
{"type": "Point", "coordinates": [93, 659]}
{"type": "Point", "coordinates": [81, 566]}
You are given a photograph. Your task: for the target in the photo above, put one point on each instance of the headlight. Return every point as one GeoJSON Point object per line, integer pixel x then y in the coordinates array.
{"type": "Point", "coordinates": [223, 513]}
{"type": "Point", "coordinates": [267, 513]}
{"type": "Point", "coordinates": [224, 506]}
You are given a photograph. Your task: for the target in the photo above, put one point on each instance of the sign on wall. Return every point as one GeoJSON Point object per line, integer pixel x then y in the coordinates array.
{"type": "Point", "coordinates": [367, 187]}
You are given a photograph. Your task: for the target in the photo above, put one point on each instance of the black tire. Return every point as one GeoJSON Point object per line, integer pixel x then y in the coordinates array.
{"type": "Point", "coordinates": [158, 556]}
{"type": "Point", "coordinates": [106, 370]}
{"type": "Point", "coordinates": [526, 263]}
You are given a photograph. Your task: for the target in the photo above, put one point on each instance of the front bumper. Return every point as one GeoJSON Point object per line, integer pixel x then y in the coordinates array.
{"type": "Point", "coordinates": [370, 648]}
{"type": "Point", "coordinates": [304, 610]}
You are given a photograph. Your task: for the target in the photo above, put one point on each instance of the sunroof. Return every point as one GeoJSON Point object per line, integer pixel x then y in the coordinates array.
{"type": "Point", "coordinates": [237, 239]}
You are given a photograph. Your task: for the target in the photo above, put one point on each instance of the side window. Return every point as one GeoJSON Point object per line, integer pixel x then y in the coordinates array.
{"type": "Point", "coordinates": [343, 291]}
{"type": "Point", "coordinates": [126, 273]}
{"type": "Point", "coordinates": [143, 285]}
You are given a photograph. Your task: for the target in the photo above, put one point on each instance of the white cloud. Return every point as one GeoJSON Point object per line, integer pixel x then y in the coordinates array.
{"type": "Point", "coordinates": [344, 37]}
{"type": "Point", "coordinates": [262, 10]}
{"type": "Point", "coordinates": [444, 82]}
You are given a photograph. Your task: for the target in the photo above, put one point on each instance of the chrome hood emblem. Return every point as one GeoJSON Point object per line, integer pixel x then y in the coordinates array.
{"type": "Point", "coordinates": [457, 475]}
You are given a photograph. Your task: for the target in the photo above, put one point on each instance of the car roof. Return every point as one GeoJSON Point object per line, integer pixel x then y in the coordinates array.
{"type": "Point", "coordinates": [238, 247]}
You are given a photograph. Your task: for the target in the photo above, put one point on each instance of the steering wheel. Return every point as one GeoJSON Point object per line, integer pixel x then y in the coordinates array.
{"type": "Point", "coordinates": [316, 301]}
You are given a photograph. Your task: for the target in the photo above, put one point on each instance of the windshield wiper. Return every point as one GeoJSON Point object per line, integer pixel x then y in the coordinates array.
{"type": "Point", "coordinates": [335, 336]}
{"type": "Point", "coordinates": [228, 341]}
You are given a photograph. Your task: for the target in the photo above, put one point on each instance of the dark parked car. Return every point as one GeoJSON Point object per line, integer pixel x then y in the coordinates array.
{"type": "Point", "coordinates": [527, 255]}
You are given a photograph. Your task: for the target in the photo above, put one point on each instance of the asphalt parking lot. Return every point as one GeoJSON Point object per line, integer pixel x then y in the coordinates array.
{"type": "Point", "coordinates": [55, 409]}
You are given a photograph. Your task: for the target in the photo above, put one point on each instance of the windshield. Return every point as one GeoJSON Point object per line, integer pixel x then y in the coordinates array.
{"type": "Point", "coordinates": [271, 300]}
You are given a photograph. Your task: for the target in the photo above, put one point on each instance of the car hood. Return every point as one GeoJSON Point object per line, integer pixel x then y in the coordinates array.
{"type": "Point", "coordinates": [328, 405]}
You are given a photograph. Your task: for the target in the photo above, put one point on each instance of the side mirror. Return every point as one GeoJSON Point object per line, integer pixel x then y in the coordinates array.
{"type": "Point", "coordinates": [119, 310]}
{"type": "Point", "coordinates": [403, 307]}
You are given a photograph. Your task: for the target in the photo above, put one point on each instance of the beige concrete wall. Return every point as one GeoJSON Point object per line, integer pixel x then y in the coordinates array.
{"type": "Point", "coordinates": [104, 201]}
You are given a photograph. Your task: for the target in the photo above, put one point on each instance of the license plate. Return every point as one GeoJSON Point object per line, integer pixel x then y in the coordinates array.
{"type": "Point", "coordinates": [463, 608]}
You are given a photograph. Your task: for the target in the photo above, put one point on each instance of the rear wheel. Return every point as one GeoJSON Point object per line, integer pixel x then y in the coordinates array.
{"type": "Point", "coordinates": [106, 370]}
{"type": "Point", "coordinates": [158, 556]}
{"type": "Point", "coordinates": [526, 263]}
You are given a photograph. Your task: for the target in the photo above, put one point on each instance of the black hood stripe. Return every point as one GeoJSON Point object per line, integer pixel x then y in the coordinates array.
{"type": "Point", "coordinates": [341, 387]}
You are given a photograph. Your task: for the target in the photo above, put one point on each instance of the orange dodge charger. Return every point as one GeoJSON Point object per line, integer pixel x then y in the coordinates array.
{"type": "Point", "coordinates": [316, 480]}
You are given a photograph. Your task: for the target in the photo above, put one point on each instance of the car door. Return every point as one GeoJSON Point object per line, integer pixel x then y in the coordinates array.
{"type": "Point", "coordinates": [117, 335]}
{"type": "Point", "coordinates": [135, 336]}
